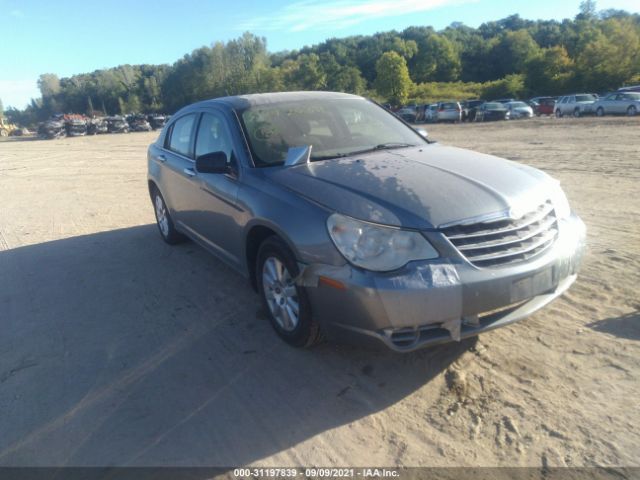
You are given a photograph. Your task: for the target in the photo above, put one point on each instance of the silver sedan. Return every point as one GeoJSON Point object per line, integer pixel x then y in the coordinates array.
{"type": "Point", "coordinates": [352, 226]}
{"type": "Point", "coordinates": [619, 103]}
{"type": "Point", "coordinates": [519, 110]}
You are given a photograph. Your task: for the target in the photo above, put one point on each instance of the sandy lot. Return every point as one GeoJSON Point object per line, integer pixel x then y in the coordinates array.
{"type": "Point", "coordinates": [116, 349]}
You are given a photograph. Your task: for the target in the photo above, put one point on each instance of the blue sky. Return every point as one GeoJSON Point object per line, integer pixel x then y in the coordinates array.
{"type": "Point", "coordinates": [76, 36]}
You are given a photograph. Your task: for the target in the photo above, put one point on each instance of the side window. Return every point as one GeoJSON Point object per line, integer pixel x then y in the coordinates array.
{"type": "Point", "coordinates": [180, 140]}
{"type": "Point", "coordinates": [213, 136]}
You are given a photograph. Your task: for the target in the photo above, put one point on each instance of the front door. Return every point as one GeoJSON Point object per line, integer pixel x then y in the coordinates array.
{"type": "Point", "coordinates": [215, 216]}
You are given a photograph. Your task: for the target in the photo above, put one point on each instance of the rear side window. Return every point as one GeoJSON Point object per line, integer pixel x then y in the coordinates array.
{"type": "Point", "coordinates": [180, 139]}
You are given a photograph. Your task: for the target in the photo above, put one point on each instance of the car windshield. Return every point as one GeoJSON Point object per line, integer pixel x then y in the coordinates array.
{"type": "Point", "coordinates": [495, 106]}
{"type": "Point", "coordinates": [334, 128]}
{"type": "Point", "coordinates": [518, 104]}
{"type": "Point", "coordinates": [585, 98]}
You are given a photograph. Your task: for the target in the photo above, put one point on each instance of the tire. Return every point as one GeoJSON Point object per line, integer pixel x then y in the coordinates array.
{"type": "Point", "coordinates": [279, 295]}
{"type": "Point", "coordinates": [164, 221]}
{"type": "Point", "coordinates": [558, 114]}
{"type": "Point", "coordinates": [576, 113]}
{"type": "Point", "coordinates": [4, 133]}
{"type": "Point", "coordinates": [632, 111]}
{"type": "Point", "coordinates": [600, 112]}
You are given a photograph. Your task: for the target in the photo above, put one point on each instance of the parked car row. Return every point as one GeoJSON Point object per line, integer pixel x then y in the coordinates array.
{"type": "Point", "coordinates": [626, 101]}
{"type": "Point", "coordinates": [75, 125]}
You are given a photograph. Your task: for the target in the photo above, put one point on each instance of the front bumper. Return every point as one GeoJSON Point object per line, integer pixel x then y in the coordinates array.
{"type": "Point", "coordinates": [442, 300]}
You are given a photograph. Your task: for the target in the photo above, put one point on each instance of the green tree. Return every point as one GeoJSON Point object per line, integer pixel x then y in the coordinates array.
{"type": "Point", "coordinates": [49, 85]}
{"type": "Point", "coordinates": [437, 60]}
{"type": "Point", "coordinates": [509, 86]}
{"type": "Point", "coordinates": [551, 71]}
{"type": "Point", "coordinates": [392, 77]}
{"type": "Point", "coordinates": [587, 10]}
{"type": "Point", "coordinates": [512, 52]}
{"type": "Point", "coordinates": [348, 79]}
{"type": "Point", "coordinates": [611, 58]}
{"type": "Point", "coordinates": [304, 73]}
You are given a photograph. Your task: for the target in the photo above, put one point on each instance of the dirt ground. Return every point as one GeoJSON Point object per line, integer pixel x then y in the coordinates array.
{"type": "Point", "coordinates": [116, 349]}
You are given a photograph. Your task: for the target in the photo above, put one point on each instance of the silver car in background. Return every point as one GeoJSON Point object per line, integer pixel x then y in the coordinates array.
{"type": "Point", "coordinates": [354, 227]}
{"type": "Point", "coordinates": [518, 110]}
{"type": "Point", "coordinates": [618, 103]}
{"type": "Point", "coordinates": [576, 105]}
{"type": "Point", "coordinates": [449, 112]}
{"type": "Point", "coordinates": [431, 113]}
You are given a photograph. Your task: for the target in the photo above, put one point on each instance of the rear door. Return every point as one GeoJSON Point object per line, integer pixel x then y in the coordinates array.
{"type": "Point", "coordinates": [619, 104]}
{"type": "Point", "coordinates": [177, 160]}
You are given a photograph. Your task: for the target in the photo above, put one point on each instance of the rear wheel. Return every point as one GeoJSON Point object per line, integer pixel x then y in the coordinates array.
{"type": "Point", "coordinates": [632, 111]}
{"type": "Point", "coordinates": [576, 112]}
{"type": "Point", "coordinates": [163, 220]}
{"type": "Point", "coordinates": [286, 303]}
{"type": "Point", "coordinates": [600, 112]}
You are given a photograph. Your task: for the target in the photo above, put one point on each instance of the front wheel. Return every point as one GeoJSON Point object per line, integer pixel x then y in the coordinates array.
{"type": "Point", "coordinates": [576, 113]}
{"type": "Point", "coordinates": [632, 111]}
{"type": "Point", "coordinates": [286, 303]}
{"type": "Point", "coordinates": [600, 112]}
{"type": "Point", "coordinates": [164, 221]}
{"type": "Point", "coordinates": [558, 114]}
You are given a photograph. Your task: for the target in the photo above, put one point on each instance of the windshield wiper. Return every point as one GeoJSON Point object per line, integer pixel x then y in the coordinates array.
{"type": "Point", "coordinates": [389, 145]}
{"type": "Point", "coordinates": [313, 158]}
{"type": "Point", "coordinates": [381, 146]}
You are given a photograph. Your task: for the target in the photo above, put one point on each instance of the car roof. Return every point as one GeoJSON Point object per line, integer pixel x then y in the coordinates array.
{"type": "Point", "coordinates": [239, 102]}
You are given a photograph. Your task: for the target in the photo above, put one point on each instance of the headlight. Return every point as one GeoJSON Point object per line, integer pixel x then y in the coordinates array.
{"type": "Point", "coordinates": [559, 200]}
{"type": "Point", "coordinates": [376, 247]}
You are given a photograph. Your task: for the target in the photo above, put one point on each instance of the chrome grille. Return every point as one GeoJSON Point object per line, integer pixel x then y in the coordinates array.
{"type": "Point", "coordinates": [504, 241]}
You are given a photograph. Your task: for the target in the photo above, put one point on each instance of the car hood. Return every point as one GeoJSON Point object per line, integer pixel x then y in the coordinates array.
{"type": "Point", "coordinates": [420, 187]}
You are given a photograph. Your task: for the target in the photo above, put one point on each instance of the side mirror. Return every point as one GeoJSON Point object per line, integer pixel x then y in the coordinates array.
{"type": "Point", "coordinates": [214, 162]}
{"type": "Point", "coordinates": [422, 132]}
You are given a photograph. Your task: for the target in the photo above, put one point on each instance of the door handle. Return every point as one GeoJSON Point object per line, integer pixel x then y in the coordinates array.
{"type": "Point", "coordinates": [161, 158]}
{"type": "Point", "coordinates": [189, 172]}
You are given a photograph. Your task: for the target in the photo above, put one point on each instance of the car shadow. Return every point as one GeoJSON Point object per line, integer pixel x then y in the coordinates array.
{"type": "Point", "coordinates": [625, 326]}
{"type": "Point", "coordinates": [117, 349]}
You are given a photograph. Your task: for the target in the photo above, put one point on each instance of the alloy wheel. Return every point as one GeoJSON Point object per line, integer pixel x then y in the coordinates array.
{"type": "Point", "coordinates": [281, 294]}
{"type": "Point", "coordinates": [161, 215]}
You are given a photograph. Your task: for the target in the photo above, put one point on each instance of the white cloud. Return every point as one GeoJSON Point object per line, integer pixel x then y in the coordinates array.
{"type": "Point", "coordinates": [339, 14]}
{"type": "Point", "coordinates": [628, 5]}
{"type": "Point", "coordinates": [18, 93]}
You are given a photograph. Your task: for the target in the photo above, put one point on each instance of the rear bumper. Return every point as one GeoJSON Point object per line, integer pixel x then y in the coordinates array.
{"type": "Point", "coordinates": [432, 302]}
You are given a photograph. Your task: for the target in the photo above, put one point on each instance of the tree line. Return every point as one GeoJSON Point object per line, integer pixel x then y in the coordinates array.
{"type": "Point", "coordinates": [512, 57]}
